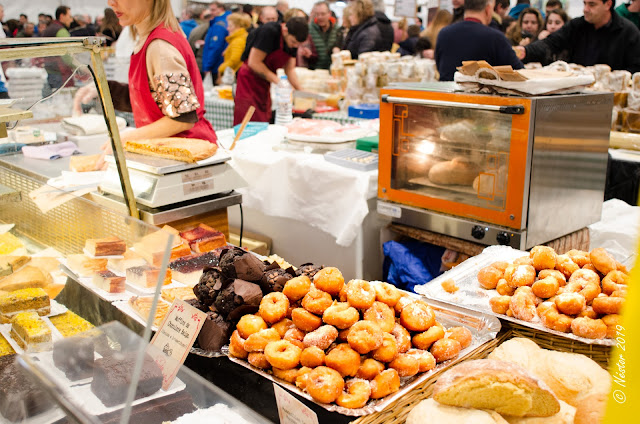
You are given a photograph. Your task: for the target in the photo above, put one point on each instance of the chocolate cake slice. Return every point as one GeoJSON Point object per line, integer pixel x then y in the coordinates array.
{"type": "Point", "coordinates": [74, 356]}
{"type": "Point", "coordinates": [156, 411]}
{"type": "Point", "coordinates": [112, 377]}
{"type": "Point", "coordinates": [20, 399]}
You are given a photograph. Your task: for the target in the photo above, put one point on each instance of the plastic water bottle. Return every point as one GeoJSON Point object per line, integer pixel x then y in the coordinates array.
{"type": "Point", "coordinates": [228, 77]}
{"type": "Point", "coordinates": [284, 99]}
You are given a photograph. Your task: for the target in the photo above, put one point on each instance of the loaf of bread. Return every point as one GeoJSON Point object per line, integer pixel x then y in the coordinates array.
{"type": "Point", "coordinates": [573, 378]}
{"type": "Point", "coordinates": [565, 416]}
{"type": "Point", "coordinates": [458, 171]}
{"type": "Point", "coordinates": [504, 387]}
{"type": "Point", "coordinates": [429, 411]}
{"type": "Point", "coordinates": [181, 149]}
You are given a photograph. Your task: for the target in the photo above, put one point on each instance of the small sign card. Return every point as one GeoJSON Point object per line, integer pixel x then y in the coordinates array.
{"type": "Point", "coordinates": [291, 410]}
{"type": "Point", "coordinates": [174, 338]}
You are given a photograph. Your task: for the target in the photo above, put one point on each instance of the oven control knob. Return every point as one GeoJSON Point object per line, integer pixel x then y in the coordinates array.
{"type": "Point", "coordinates": [477, 232]}
{"type": "Point", "coordinates": [503, 238]}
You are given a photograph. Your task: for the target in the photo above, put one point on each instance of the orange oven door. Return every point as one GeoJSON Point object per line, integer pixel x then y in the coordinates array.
{"type": "Point", "coordinates": [460, 154]}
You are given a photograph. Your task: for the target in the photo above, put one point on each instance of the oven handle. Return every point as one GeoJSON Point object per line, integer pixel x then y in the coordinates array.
{"type": "Point", "coordinates": [512, 110]}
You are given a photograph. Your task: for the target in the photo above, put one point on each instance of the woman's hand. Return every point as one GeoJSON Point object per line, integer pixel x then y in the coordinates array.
{"type": "Point", "coordinates": [525, 42]}
{"type": "Point", "coordinates": [544, 34]}
{"type": "Point", "coordinates": [520, 52]}
{"type": "Point", "coordinates": [84, 95]}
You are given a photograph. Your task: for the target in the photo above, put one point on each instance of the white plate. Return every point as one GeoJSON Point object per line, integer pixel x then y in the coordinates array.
{"type": "Point", "coordinates": [126, 307]}
{"type": "Point", "coordinates": [150, 291]}
{"type": "Point", "coordinates": [335, 137]}
{"type": "Point", "coordinates": [88, 283]}
{"type": "Point", "coordinates": [5, 330]}
{"type": "Point", "coordinates": [45, 359]}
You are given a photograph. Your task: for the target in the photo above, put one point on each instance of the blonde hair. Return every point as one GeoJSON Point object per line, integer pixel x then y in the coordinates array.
{"type": "Point", "coordinates": [442, 19]}
{"type": "Point", "coordinates": [294, 12]}
{"type": "Point", "coordinates": [240, 20]}
{"type": "Point", "coordinates": [161, 13]}
{"type": "Point", "coordinates": [363, 9]}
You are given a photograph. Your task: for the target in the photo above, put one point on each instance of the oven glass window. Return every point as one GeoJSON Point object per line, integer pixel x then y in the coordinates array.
{"type": "Point", "coordinates": [451, 153]}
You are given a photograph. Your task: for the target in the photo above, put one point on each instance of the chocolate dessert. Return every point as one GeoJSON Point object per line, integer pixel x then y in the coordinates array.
{"type": "Point", "coordinates": [112, 377]}
{"type": "Point", "coordinates": [309, 270]}
{"type": "Point", "coordinates": [214, 333]}
{"type": "Point", "coordinates": [240, 297]}
{"type": "Point", "coordinates": [274, 280]}
{"type": "Point", "coordinates": [209, 286]}
{"type": "Point", "coordinates": [156, 411]}
{"type": "Point", "coordinates": [237, 263]}
{"type": "Point", "coordinates": [20, 399]}
{"type": "Point", "coordinates": [74, 356]}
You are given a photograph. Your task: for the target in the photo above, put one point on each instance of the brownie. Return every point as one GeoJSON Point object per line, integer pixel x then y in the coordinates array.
{"type": "Point", "coordinates": [74, 356]}
{"type": "Point", "coordinates": [210, 284]}
{"type": "Point", "coordinates": [20, 399]}
{"type": "Point", "coordinates": [155, 411]}
{"type": "Point", "coordinates": [308, 269]}
{"type": "Point", "coordinates": [274, 280]}
{"type": "Point", "coordinates": [215, 332]}
{"type": "Point", "coordinates": [112, 377]}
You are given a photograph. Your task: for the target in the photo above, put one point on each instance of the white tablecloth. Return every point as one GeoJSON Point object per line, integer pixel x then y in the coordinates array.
{"type": "Point", "coordinates": [302, 186]}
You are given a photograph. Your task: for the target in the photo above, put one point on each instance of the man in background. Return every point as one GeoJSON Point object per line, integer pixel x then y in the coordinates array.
{"type": "Point", "coordinates": [630, 11]}
{"type": "Point", "coordinates": [190, 18]}
{"type": "Point", "coordinates": [519, 7]}
{"type": "Point", "coordinates": [458, 10]}
{"type": "Point", "coordinates": [83, 27]}
{"type": "Point", "coordinates": [323, 31]}
{"type": "Point", "coordinates": [551, 5]}
{"type": "Point", "coordinates": [267, 14]}
{"type": "Point", "coordinates": [58, 69]}
{"type": "Point", "coordinates": [28, 30]}
{"type": "Point", "coordinates": [214, 42]}
{"type": "Point", "coordinates": [281, 8]}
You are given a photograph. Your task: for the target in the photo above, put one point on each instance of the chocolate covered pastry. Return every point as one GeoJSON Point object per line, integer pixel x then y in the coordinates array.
{"type": "Point", "coordinates": [309, 270]}
{"type": "Point", "coordinates": [211, 283]}
{"type": "Point", "coordinates": [214, 333]}
{"type": "Point", "coordinates": [239, 298]}
{"type": "Point", "coordinates": [274, 280]}
{"type": "Point", "coordinates": [237, 263]}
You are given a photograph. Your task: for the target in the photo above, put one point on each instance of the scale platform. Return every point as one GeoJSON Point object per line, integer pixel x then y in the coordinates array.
{"type": "Point", "coordinates": [158, 182]}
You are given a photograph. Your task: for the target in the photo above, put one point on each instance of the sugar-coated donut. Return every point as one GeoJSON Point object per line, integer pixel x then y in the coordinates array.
{"type": "Point", "coordinates": [612, 322]}
{"type": "Point", "coordinates": [236, 346]}
{"type": "Point", "coordinates": [343, 334]}
{"type": "Point", "coordinates": [406, 365]}
{"type": "Point", "coordinates": [387, 294]}
{"type": "Point", "coordinates": [619, 293]}
{"type": "Point", "coordinates": [501, 265]}
{"type": "Point", "coordinates": [305, 320]}
{"type": "Point", "coordinates": [360, 294]}
{"type": "Point", "coordinates": [590, 267]}
{"type": "Point", "coordinates": [324, 384]}
{"type": "Point", "coordinates": [283, 326]}
{"type": "Point", "coordinates": [570, 303]}
{"type": "Point", "coordinates": [250, 324]}
{"type": "Point", "coordinates": [369, 368]}
{"type": "Point", "coordinates": [560, 278]}
{"type": "Point", "coordinates": [588, 312]}
{"type": "Point", "coordinates": [523, 304]}
{"type": "Point", "coordinates": [402, 336]}
{"type": "Point", "coordinates": [312, 357]}
{"type": "Point", "coordinates": [607, 305]}
{"type": "Point", "coordinates": [500, 304]}
{"type": "Point", "coordinates": [365, 336]}
{"type": "Point", "coordinates": [461, 334]}
{"type": "Point", "coordinates": [543, 257]}
{"type": "Point", "coordinates": [603, 261]}
{"type": "Point", "coordinates": [417, 316]}
{"type": "Point", "coordinates": [257, 341]}
{"type": "Point", "coordinates": [381, 314]}
{"type": "Point", "coordinates": [322, 337]}
{"type": "Point", "coordinates": [589, 328]}
{"type": "Point", "coordinates": [426, 361]}
{"type": "Point", "coordinates": [297, 288]}
{"type": "Point", "coordinates": [295, 336]}
{"type": "Point", "coordinates": [489, 276]}
{"type": "Point", "coordinates": [614, 281]}
{"type": "Point", "coordinates": [329, 279]}
{"type": "Point", "coordinates": [520, 275]}
{"type": "Point", "coordinates": [341, 315]}
{"type": "Point", "coordinates": [445, 349]}
{"type": "Point", "coordinates": [425, 339]}
{"type": "Point", "coordinates": [388, 350]}
{"type": "Point", "coordinates": [273, 307]}
{"type": "Point", "coordinates": [584, 277]}
{"type": "Point", "coordinates": [343, 359]}
{"type": "Point", "coordinates": [283, 354]}
{"type": "Point", "coordinates": [566, 266]}
{"type": "Point", "coordinates": [317, 301]}
{"type": "Point", "coordinates": [289, 376]}
{"type": "Point", "coordinates": [402, 302]}
{"type": "Point", "coordinates": [523, 260]}
{"type": "Point", "coordinates": [552, 318]}
{"type": "Point", "coordinates": [258, 360]}
{"type": "Point", "coordinates": [580, 257]}
{"type": "Point", "coordinates": [355, 395]}
{"type": "Point", "coordinates": [504, 289]}
{"type": "Point", "coordinates": [385, 383]}
{"type": "Point", "coordinates": [302, 377]}
{"type": "Point", "coordinates": [546, 287]}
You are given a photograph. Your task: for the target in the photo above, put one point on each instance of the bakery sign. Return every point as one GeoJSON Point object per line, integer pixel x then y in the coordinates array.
{"type": "Point", "coordinates": [174, 338]}
{"type": "Point", "coordinates": [405, 8]}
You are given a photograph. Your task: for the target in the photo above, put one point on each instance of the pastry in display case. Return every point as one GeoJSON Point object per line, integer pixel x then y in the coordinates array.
{"type": "Point", "coordinates": [492, 169]}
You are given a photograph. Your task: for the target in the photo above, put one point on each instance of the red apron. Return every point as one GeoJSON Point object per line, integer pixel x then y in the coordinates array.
{"type": "Point", "coordinates": [145, 108]}
{"type": "Point", "coordinates": [255, 90]}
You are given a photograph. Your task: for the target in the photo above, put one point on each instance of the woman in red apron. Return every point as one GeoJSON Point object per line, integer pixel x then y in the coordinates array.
{"type": "Point", "coordinates": [165, 90]}
{"type": "Point", "coordinates": [269, 47]}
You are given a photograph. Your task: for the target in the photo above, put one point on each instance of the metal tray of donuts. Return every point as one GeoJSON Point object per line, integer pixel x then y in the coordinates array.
{"type": "Point", "coordinates": [483, 329]}
{"type": "Point", "coordinates": [475, 298]}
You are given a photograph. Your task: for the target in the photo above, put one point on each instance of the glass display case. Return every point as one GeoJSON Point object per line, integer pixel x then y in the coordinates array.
{"type": "Point", "coordinates": [492, 169]}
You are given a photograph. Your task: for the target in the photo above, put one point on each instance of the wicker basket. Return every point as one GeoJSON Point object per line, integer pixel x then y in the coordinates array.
{"type": "Point", "coordinates": [397, 413]}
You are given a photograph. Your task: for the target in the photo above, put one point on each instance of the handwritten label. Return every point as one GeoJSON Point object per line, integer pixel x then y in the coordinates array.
{"type": "Point", "coordinates": [291, 410]}
{"type": "Point", "coordinates": [405, 8]}
{"type": "Point", "coordinates": [201, 174]}
{"type": "Point", "coordinates": [174, 338]}
{"type": "Point", "coordinates": [196, 187]}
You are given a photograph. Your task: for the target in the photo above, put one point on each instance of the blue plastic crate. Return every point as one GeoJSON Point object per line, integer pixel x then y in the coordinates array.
{"type": "Point", "coordinates": [365, 111]}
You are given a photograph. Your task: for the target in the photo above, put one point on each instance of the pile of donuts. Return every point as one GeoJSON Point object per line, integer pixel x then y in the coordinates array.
{"type": "Point", "coordinates": [344, 343]}
{"type": "Point", "coordinates": [579, 292]}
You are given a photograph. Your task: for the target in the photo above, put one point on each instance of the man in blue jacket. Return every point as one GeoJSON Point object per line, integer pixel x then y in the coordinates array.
{"type": "Point", "coordinates": [214, 42]}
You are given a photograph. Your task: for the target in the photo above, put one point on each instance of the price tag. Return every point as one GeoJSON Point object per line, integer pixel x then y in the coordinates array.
{"type": "Point", "coordinates": [291, 410]}
{"type": "Point", "coordinates": [174, 338]}
{"type": "Point", "coordinates": [197, 186]}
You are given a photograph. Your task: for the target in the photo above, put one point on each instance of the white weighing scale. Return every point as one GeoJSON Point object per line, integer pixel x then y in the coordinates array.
{"type": "Point", "coordinates": [158, 182]}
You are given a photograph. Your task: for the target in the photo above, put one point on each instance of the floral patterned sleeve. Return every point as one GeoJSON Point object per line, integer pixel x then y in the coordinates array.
{"type": "Point", "coordinates": [170, 83]}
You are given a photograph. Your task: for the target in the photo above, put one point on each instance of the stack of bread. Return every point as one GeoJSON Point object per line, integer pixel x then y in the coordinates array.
{"type": "Point", "coordinates": [344, 343]}
{"type": "Point", "coordinates": [579, 292]}
{"type": "Point", "coordinates": [519, 383]}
